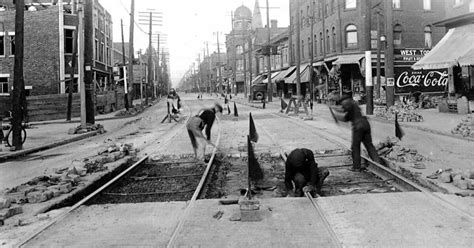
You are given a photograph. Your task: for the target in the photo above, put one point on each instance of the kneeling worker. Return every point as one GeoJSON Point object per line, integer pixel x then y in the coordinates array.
{"type": "Point", "coordinates": [204, 118]}
{"type": "Point", "coordinates": [303, 171]}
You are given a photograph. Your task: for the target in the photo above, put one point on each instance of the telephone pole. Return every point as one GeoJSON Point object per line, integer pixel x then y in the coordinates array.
{"type": "Point", "coordinates": [130, 54]}
{"type": "Point", "coordinates": [269, 64]}
{"type": "Point", "coordinates": [125, 87]}
{"type": "Point", "coordinates": [389, 74]}
{"type": "Point", "coordinates": [73, 65]}
{"type": "Point", "coordinates": [368, 58]}
{"type": "Point", "coordinates": [88, 61]}
{"type": "Point", "coordinates": [18, 94]}
{"type": "Point", "coordinates": [298, 53]}
{"type": "Point", "coordinates": [219, 63]}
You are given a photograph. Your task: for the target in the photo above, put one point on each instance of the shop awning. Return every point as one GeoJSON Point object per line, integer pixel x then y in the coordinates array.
{"type": "Point", "coordinates": [291, 79]}
{"type": "Point", "coordinates": [284, 74]}
{"type": "Point", "coordinates": [348, 59]}
{"type": "Point", "coordinates": [455, 48]}
{"type": "Point", "coordinates": [274, 74]}
{"type": "Point", "coordinates": [318, 63]}
{"type": "Point", "coordinates": [258, 79]}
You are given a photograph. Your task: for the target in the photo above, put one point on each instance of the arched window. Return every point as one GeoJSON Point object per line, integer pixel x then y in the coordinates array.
{"type": "Point", "coordinates": [428, 40]}
{"type": "Point", "coordinates": [397, 35]}
{"type": "Point", "coordinates": [350, 4]}
{"type": "Point", "coordinates": [239, 49]}
{"type": "Point", "coordinates": [351, 36]}
{"type": "Point", "coordinates": [328, 41]}
{"type": "Point", "coordinates": [333, 39]}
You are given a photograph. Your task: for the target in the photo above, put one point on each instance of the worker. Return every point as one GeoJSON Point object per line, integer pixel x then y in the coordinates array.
{"type": "Point", "coordinates": [349, 111]}
{"type": "Point", "coordinates": [196, 124]}
{"type": "Point", "coordinates": [302, 170]}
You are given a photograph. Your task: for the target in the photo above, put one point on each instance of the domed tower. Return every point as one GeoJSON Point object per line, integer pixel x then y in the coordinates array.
{"type": "Point", "coordinates": [242, 19]}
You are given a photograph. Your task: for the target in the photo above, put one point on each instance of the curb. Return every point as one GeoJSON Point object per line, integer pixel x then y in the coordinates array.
{"type": "Point", "coordinates": [21, 153]}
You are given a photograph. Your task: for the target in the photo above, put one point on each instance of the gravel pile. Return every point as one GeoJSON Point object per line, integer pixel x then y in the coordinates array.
{"type": "Point", "coordinates": [465, 128]}
{"type": "Point", "coordinates": [406, 113]}
{"type": "Point", "coordinates": [392, 150]}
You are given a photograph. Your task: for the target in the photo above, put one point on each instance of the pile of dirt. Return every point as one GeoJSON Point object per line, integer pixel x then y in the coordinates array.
{"type": "Point", "coordinates": [465, 128]}
{"type": "Point", "coordinates": [89, 128]}
{"type": "Point", "coordinates": [136, 109]}
{"type": "Point", "coordinates": [405, 112]}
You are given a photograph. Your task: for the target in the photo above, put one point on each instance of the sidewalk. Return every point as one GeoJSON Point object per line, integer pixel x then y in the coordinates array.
{"type": "Point", "coordinates": [49, 134]}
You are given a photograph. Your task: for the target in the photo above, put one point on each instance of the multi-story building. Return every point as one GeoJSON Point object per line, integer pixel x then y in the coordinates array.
{"type": "Point", "coordinates": [335, 32]}
{"type": "Point", "coordinates": [48, 49]}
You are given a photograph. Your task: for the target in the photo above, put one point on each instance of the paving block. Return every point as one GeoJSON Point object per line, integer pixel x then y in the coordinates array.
{"type": "Point", "coordinates": [5, 202]}
{"type": "Point", "coordinates": [250, 215]}
{"type": "Point", "coordinates": [36, 196]}
{"type": "Point", "coordinates": [459, 182]}
{"type": "Point", "coordinates": [470, 184]}
{"type": "Point", "coordinates": [246, 204]}
{"type": "Point", "coordinates": [17, 197]}
{"type": "Point", "coordinates": [9, 212]}
{"type": "Point", "coordinates": [468, 174]}
{"type": "Point", "coordinates": [446, 177]}
{"type": "Point", "coordinates": [65, 187]}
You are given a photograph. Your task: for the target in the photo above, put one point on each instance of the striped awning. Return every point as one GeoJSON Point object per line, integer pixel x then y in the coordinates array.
{"type": "Point", "coordinates": [291, 79]}
{"type": "Point", "coordinates": [455, 48]}
{"type": "Point", "coordinates": [274, 74]}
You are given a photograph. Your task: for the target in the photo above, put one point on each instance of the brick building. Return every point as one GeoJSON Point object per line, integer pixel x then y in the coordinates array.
{"type": "Point", "coordinates": [338, 35]}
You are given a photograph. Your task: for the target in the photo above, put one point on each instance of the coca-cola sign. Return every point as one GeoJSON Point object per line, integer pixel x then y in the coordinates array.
{"type": "Point", "coordinates": [408, 80]}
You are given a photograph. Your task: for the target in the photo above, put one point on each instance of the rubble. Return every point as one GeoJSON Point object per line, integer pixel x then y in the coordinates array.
{"type": "Point", "coordinates": [89, 128]}
{"type": "Point", "coordinates": [136, 109]}
{"type": "Point", "coordinates": [460, 179]}
{"type": "Point", "coordinates": [405, 112]}
{"type": "Point", "coordinates": [465, 127]}
{"type": "Point", "coordinates": [392, 150]}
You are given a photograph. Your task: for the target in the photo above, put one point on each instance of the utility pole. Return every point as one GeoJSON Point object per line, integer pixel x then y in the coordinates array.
{"type": "Point", "coordinates": [158, 60]}
{"type": "Point", "coordinates": [125, 87]}
{"type": "Point", "coordinates": [80, 63]}
{"type": "Point", "coordinates": [379, 44]}
{"type": "Point", "coordinates": [130, 54]}
{"type": "Point", "coordinates": [209, 71]}
{"type": "Point", "coordinates": [311, 83]}
{"type": "Point", "coordinates": [269, 65]}
{"type": "Point", "coordinates": [250, 66]}
{"type": "Point", "coordinates": [368, 58]}
{"type": "Point", "coordinates": [88, 61]}
{"type": "Point", "coordinates": [73, 65]}
{"type": "Point", "coordinates": [18, 94]}
{"type": "Point", "coordinates": [298, 53]}
{"type": "Point", "coordinates": [219, 63]}
{"type": "Point", "coordinates": [389, 74]}
{"type": "Point", "coordinates": [154, 20]}
{"type": "Point", "coordinates": [245, 68]}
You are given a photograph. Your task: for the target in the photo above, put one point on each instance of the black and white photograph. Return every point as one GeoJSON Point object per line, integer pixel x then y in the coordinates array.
{"type": "Point", "coordinates": [237, 123]}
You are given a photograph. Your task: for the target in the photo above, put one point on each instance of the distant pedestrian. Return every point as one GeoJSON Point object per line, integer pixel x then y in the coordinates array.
{"type": "Point", "coordinates": [302, 170]}
{"type": "Point", "coordinates": [361, 132]}
{"type": "Point", "coordinates": [196, 124]}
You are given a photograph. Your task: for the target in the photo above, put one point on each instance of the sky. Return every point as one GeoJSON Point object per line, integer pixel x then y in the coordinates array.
{"type": "Point", "coordinates": [188, 25]}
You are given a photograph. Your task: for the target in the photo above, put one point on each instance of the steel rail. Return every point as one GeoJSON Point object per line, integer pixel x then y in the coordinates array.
{"type": "Point", "coordinates": [171, 242]}
{"type": "Point", "coordinates": [90, 196]}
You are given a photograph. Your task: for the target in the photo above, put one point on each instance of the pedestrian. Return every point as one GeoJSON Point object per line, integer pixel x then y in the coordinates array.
{"type": "Point", "coordinates": [302, 170]}
{"type": "Point", "coordinates": [196, 124]}
{"type": "Point", "coordinates": [361, 132]}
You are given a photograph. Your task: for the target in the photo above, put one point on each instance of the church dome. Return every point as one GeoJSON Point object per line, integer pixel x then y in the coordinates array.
{"type": "Point", "coordinates": [243, 12]}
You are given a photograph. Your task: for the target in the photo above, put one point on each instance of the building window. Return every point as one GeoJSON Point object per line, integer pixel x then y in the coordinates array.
{"type": "Point", "coordinates": [96, 48]}
{"type": "Point", "coordinates": [457, 2]}
{"type": "Point", "coordinates": [351, 36]}
{"type": "Point", "coordinates": [350, 4]}
{"type": "Point", "coordinates": [397, 35]}
{"type": "Point", "coordinates": [101, 52]}
{"type": "Point", "coordinates": [12, 44]}
{"type": "Point", "coordinates": [321, 44]}
{"type": "Point", "coordinates": [75, 86]}
{"type": "Point", "coordinates": [427, 4]}
{"type": "Point", "coordinates": [4, 85]}
{"type": "Point", "coordinates": [302, 49]}
{"type": "Point", "coordinates": [310, 46]}
{"type": "Point", "coordinates": [397, 4]}
{"type": "Point", "coordinates": [328, 41]}
{"type": "Point", "coordinates": [68, 40]}
{"type": "Point", "coordinates": [2, 44]}
{"type": "Point", "coordinates": [315, 49]}
{"type": "Point", "coordinates": [428, 40]}
{"type": "Point", "coordinates": [239, 49]}
{"type": "Point", "coordinates": [333, 39]}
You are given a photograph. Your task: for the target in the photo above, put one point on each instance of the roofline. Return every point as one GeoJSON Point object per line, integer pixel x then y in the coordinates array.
{"type": "Point", "coordinates": [456, 21]}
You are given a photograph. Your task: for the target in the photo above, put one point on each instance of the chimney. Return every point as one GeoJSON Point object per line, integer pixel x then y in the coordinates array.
{"type": "Point", "coordinates": [274, 24]}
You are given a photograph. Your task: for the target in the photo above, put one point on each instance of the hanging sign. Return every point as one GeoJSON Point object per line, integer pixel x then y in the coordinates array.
{"type": "Point", "coordinates": [408, 80]}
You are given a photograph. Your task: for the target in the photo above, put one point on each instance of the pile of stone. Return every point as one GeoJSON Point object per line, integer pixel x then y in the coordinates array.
{"type": "Point", "coordinates": [7, 209]}
{"type": "Point", "coordinates": [405, 112]}
{"type": "Point", "coordinates": [131, 111]}
{"type": "Point", "coordinates": [465, 128]}
{"type": "Point", "coordinates": [392, 150]}
{"type": "Point", "coordinates": [89, 128]}
{"type": "Point", "coordinates": [460, 179]}
{"type": "Point", "coordinates": [110, 154]}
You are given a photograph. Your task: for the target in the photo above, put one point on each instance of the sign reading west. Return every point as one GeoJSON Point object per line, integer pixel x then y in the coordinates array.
{"type": "Point", "coordinates": [410, 54]}
{"type": "Point", "coordinates": [408, 80]}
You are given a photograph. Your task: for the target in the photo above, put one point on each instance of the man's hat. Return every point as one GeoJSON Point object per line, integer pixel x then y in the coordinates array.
{"type": "Point", "coordinates": [218, 107]}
